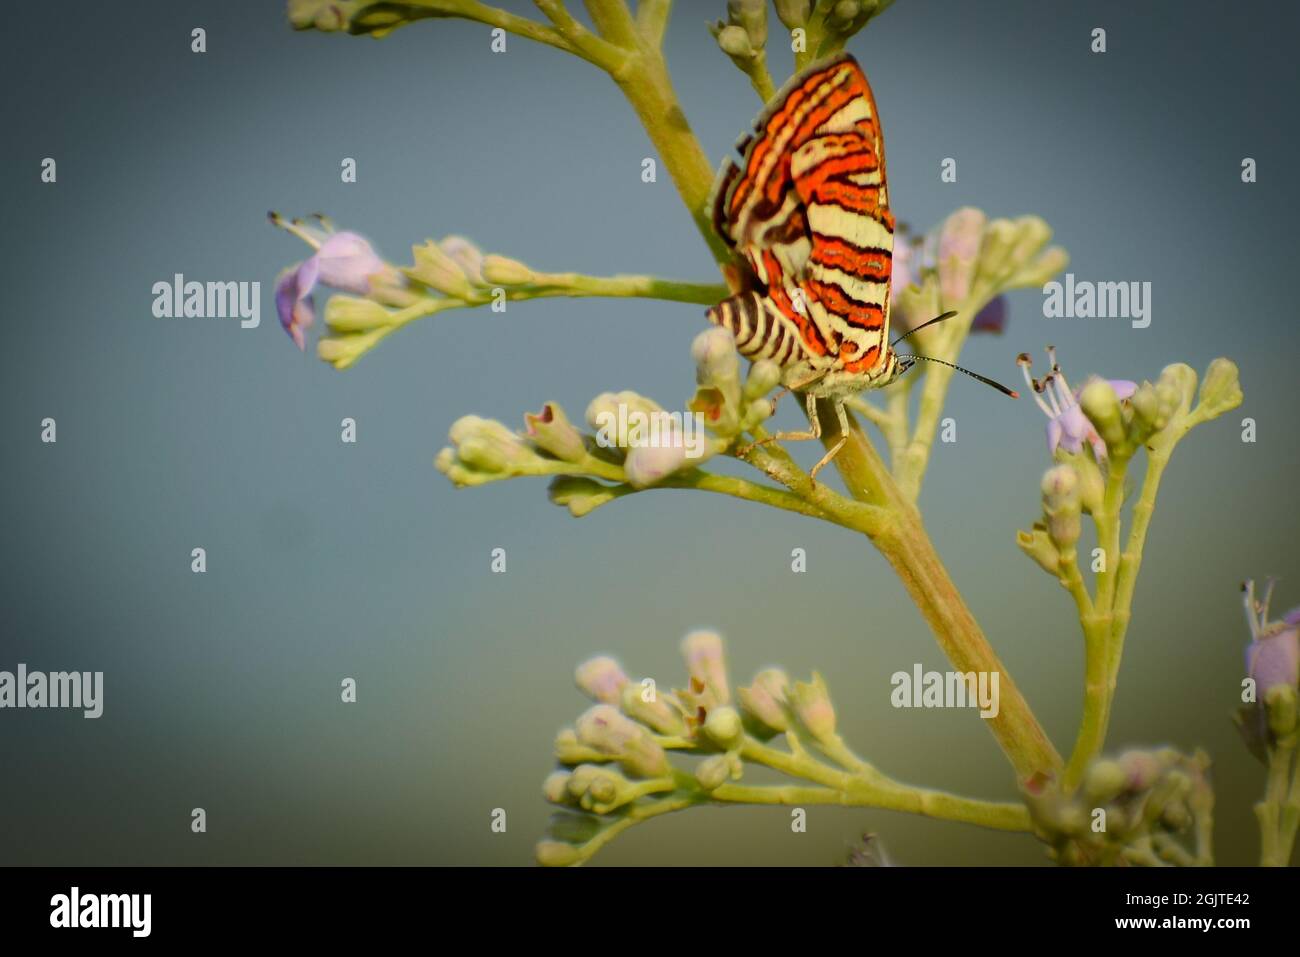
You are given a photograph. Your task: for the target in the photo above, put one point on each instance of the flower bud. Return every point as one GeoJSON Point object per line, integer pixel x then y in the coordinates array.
{"type": "Point", "coordinates": [960, 239]}
{"type": "Point", "coordinates": [658, 711]}
{"type": "Point", "coordinates": [610, 413]}
{"type": "Point", "coordinates": [568, 750]}
{"type": "Point", "coordinates": [793, 13]}
{"type": "Point", "coordinates": [1038, 545]}
{"type": "Point", "coordinates": [707, 664]}
{"type": "Point", "coordinates": [551, 431]}
{"type": "Point", "coordinates": [1147, 411]}
{"type": "Point", "coordinates": [752, 15]}
{"type": "Point", "coordinates": [1062, 506]}
{"type": "Point", "coordinates": [439, 271]}
{"type": "Point", "coordinates": [646, 465]}
{"type": "Point", "coordinates": [811, 703]}
{"type": "Point", "coordinates": [1176, 385]}
{"type": "Point", "coordinates": [716, 360]}
{"type": "Point", "coordinates": [599, 789]}
{"type": "Point", "coordinates": [556, 854]}
{"type": "Point", "coordinates": [764, 376]}
{"type": "Point", "coordinates": [1221, 389]}
{"type": "Point", "coordinates": [712, 772]}
{"type": "Point", "coordinates": [352, 314]}
{"type": "Point", "coordinates": [995, 265]}
{"type": "Point", "coordinates": [1101, 405]}
{"type": "Point", "coordinates": [601, 679]}
{"type": "Point", "coordinates": [1041, 270]}
{"type": "Point", "coordinates": [724, 727]}
{"type": "Point", "coordinates": [556, 788]}
{"type": "Point", "coordinates": [466, 255]}
{"type": "Point", "coordinates": [734, 42]}
{"type": "Point", "coordinates": [605, 730]}
{"type": "Point", "coordinates": [1104, 781]}
{"type": "Point", "coordinates": [764, 701]}
{"type": "Point", "coordinates": [500, 271]}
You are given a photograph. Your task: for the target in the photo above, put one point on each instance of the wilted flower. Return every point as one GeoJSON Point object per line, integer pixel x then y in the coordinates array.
{"type": "Point", "coordinates": [1067, 426]}
{"type": "Point", "coordinates": [343, 261]}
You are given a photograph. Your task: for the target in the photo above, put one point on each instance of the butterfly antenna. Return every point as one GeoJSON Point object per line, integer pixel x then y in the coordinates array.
{"type": "Point", "coordinates": [974, 375]}
{"type": "Point", "coordinates": [928, 322]}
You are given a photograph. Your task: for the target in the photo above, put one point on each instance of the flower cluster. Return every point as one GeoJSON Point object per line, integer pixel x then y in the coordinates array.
{"type": "Point", "coordinates": [616, 756]}
{"type": "Point", "coordinates": [1135, 809]}
{"type": "Point", "coordinates": [634, 442]}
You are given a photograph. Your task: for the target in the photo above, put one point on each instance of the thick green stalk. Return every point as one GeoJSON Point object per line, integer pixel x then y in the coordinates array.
{"type": "Point", "coordinates": [903, 541]}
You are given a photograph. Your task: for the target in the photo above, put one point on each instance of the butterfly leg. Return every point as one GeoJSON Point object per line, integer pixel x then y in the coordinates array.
{"type": "Point", "coordinates": [834, 450]}
{"type": "Point", "coordinates": [814, 432]}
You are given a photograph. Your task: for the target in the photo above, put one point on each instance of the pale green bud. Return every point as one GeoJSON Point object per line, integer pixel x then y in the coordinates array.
{"type": "Point", "coordinates": [1221, 388]}
{"type": "Point", "coordinates": [764, 701]}
{"type": "Point", "coordinates": [352, 314]}
{"type": "Point", "coordinates": [712, 772]}
{"type": "Point", "coordinates": [752, 15]}
{"type": "Point", "coordinates": [1104, 781]}
{"type": "Point", "coordinates": [1176, 386]}
{"type": "Point", "coordinates": [437, 270]}
{"type": "Point", "coordinates": [1101, 405]}
{"type": "Point", "coordinates": [734, 42]}
{"type": "Point", "coordinates": [652, 708]}
{"type": "Point", "coordinates": [551, 431]}
{"type": "Point", "coordinates": [811, 704]}
{"type": "Point", "coordinates": [764, 376]}
{"type": "Point", "coordinates": [1038, 545]}
{"type": "Point", "coordinates": [793, 13]}
{"type": "Point", "coordinates": [1041, 270]}
{"type": "Point", "coordinates": [500, 271]}
{"type": "Point", "coordinates": [556, 854]}
{"type": "Point", "coordinates": [724, 727]}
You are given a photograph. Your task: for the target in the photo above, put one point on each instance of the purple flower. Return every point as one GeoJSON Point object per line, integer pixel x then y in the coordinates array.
{"type": "Point", "coordinates": [343, 261]}
{"type": "Point", "coordinates": [1067, 427]}
{"type": "Point", "coordinates": [1273, 656]}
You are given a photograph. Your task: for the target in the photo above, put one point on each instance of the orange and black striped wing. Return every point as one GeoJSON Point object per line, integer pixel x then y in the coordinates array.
{"type": "Point", "coordinates": [808, 208]}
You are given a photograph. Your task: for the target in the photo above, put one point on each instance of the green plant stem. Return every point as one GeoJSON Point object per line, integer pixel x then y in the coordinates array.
{"type": "Point", "coordinates": [902, 539]}
{"type": "Point", "coordinates": [1279, 812]}
{"type": "Point", "coordinates": [869, 788]}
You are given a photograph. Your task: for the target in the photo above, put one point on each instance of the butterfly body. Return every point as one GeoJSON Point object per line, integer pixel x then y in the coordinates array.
{"type": "Point", "coordinates": [808, 210]}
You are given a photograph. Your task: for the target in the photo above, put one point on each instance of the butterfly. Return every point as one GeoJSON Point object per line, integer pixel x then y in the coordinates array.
{"type": "Point", "coordinates": [807, 209]}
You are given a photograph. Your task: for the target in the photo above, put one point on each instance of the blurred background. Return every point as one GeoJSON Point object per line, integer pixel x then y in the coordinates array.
{"type": "Point", "coordinates": [328, 561]}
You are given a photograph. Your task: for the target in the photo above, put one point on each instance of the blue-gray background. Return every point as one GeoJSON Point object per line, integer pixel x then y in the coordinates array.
{"type": "Point", "coordinates": [328, 560]}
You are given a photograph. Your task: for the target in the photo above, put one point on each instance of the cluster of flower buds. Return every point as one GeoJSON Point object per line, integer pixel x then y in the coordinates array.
{"type": "Point", "coordinates": [1267, 715]}
{"type": "Point", "coordinates": [729, 406]}
{"type": "Point", "coordinates": [970, 258]}
{"type": "Point", "coordinates": [1138, 808]}
{"type": "Point", "coordinates": [744, 35]}
{"type": "Point", "coordinates": [616, 756]}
